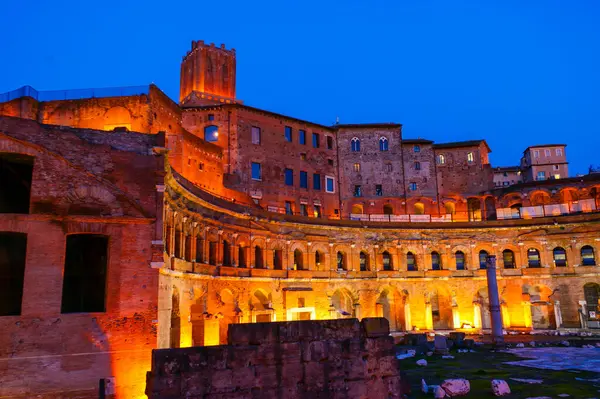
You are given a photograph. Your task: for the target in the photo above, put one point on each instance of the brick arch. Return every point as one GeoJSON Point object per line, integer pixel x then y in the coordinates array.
{"type": "Point", "coordinates": [539, 197]}
{"type": "Point", "coordinates": [511, 199]}
{"type": "Point", "coordinates": [117, 116]}
{"type": "Point", "coordinates": [568, 194]}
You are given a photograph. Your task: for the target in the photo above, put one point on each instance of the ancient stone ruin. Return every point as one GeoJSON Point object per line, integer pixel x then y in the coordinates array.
{"type": "Point", "coordinates": [341, 358]}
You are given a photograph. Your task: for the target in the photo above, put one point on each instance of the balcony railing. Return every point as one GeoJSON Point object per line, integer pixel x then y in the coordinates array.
{"type": "Point", "coordinates": [76, 94]}
{"type": "Point", "coordinates": [529, 212]}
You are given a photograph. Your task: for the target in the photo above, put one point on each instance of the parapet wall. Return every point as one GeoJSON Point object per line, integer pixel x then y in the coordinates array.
{"type": "Point", "coordinates": [299, 359]}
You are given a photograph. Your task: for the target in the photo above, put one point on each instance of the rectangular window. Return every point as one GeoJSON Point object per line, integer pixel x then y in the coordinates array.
{"type": "Point", "coordinates": [329, 143]}
{"type": "Point", "coordinates": [329, 184]}
{"type": "Point", "coordinates": [357, 167]}
{"type": "Point", "coordinates": [302, 137]}
{"type": "Point", "coordinates": [289, 177]}
{"type": "Point", "coordinates": [412, 186]}
{"type": "Point", "coordinates": [13, 251]}
{"type": "Point", "coordinates": [357, 191]}
{"type": "Point", "coordinates": [255, 135]}
{"type": "Point", "coordinates": [84, 277]}
{"type": "Point", "coordinates": [256, 171]}
{"type": "Point", "coordinates": [556, 167]}
{"type": "Point", "coordinates": [288, 208]}
{"type": "Point", "coordinates": [470, 157]}
{"type": "Point", "coordinates": [211, 117]}
{"type": "Point", "coordinates": [288, 134]}
{"type": "Point", "coordinates": [541, 175]}
{"type": "Point", "coordinates": [303, 156]}
{"type": "Point", "coordinates": [303, 210]}
{"type": "Point", "coordinates": [417, 165]}
{"type": "Point", "coordinates": [389, 167]}
{"type": "Point", "coordinates": [315, 140]}
{"type": "Point", "coordinates": [559, 152]}
{"type": "Point", "coordinates": [316, 181]}
{"type": "Point", "coordinates": [303, 179]}
{"type": "Point", "coordinates": [547, 153]}
{"type": "Point", "coordinates": [379, 190]}
{"type": "Point", "coordinates": [330, 162]}
{"type": "Point", "coordinates": [417, 148]}
{"type": "Point", "coordinates": [16, 172]}
{"type": "Point", "coordinates": [317, 211]}
{"type": "Point", "coordinates": [536, 154]}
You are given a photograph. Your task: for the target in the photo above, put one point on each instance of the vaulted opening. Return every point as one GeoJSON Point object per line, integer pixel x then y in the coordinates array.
{"type": "Point", "coordinates": [13, 247]}
{"type": "Point", "coordinates": [15, 182]}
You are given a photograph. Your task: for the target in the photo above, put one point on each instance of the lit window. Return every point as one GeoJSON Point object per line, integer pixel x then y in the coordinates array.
{"type": "Point", "coordinates": [470, 157]}
{"type": "Point", "coordinates": [317, 211]}
{"type": "Point", "coordinates": [329, 184]}
{"type": "Point", "coordinates": [256, 171]}
{"type": "Point", "coordinates": [357, 191]}
{"type": "Point", "coordinates": [288, 134]}
{"type": "Point", "coordinates": [316, 181]}
{"type": "Point", "coordinates": [412, 186]}
{"type": "Point", "coordinates": [315, 140]}
{"type": "Point", "coordinates": [255, 135]}
{"type": "Point", "coordinates": [417, 148]}
{"type": "Point", "coordinates": [355, 144]}
{"type": "Point", "coordinates": [211, 133]}
{"type": "Point", "coordinates": [441, 159]}
{"type": "Point", "coordinates": [557, 176]}
{"type": "Point", "coordinates": [378, 190]}
{"type": "Point", "coordinates": [302, 137]}
{"type": "Point", "coordinates": [417, 165]}
{"type": "Point", "coordinates": [303, 179]}
{"type": "Point", "coordinates": [383, 144]}
{"type": "Point", "coordinates": [289, 177]}
{"type": "Point", "coordinates": [357, 167]}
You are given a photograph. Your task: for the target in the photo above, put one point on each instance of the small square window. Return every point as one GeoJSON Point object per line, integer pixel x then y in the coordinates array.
{"type": "Point", "coordinates": [303, 156]}
{"type": "Point", "coordinates": [417, 148]}
{"type": "Point", "coordinates": [413, 186]}
{"type": "Point", "coordinates": [536, 154]}
{"type": "Point", "coordinates": [559, 152]}
{"type": "Point", "coordinates": [470, 157]}
{"type": "Point", "coordinates": [330, 162]}
{"type": "Point", "coordinates": [211, 117]}
{"type": "Point", "coordinates": [288, 134]}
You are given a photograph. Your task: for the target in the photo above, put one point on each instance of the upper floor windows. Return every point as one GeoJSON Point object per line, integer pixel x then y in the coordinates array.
{"type": "Point", "coordinates": [255, 135]}
{"type": "Point", "coordinates": [358, 190]}
{"type": "Point", "coordinates": [329, 184]}
{"type": "Point", "coordinates": [389, 167]}
{"type": "Point", "coordinates": [383, 144]}
{"type": "Point", "coordinates": [256, 171]}
{"type": "Point", "coordinates": [547, 153]}
{"type": "Point", "coordinates": [289, 177]}
{"type": "Point", "coordinates": [441, 159]}
{"type": "Point", "coordinates": [355, 144]}
{"type": "Point", "coordinates": [16, 171]}
{"type": "Point", "coordinates": [417, 165]}
{"type": "Point", "coordinates": [357, 167]}
{"type": "Point", "coordinates": [211, 133]}
{"type": "Point", "coordinates": [559, 152]}
{"type": "Point", "coordinates": [288, 134]}
{"type": "Point", "coordinates": [329, 143]}
{"type": "Point", "coordinates": [412, 186]}
{"type": "Point", "coordinates": [302, 137]}
{"type": "Point", "coordinates": [379, 190]}
{"type": "Point", "coordinates": [303, 179]}
{"type": "Point", "coordinates": [316, 181]}
{"type": "Point", "coordinates": [417, 148]}
{"type": "Point", "coordinates": [536, 153]}
{"type": "Point", "coordinates": [316, 140]}
{"type": "Point", "coordinates": [470, 157]}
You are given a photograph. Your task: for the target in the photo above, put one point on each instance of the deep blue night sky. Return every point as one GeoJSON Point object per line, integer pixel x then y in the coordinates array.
{"type": "Point", "coordinates": [515, 73]}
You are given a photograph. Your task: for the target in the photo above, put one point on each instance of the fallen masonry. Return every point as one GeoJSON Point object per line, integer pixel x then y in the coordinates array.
{"type": "Point", "coordinates": [330, 358]}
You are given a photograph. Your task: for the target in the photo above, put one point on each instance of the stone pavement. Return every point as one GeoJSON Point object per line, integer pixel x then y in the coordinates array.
{"type": "Point", "coordinates": [554, 358]}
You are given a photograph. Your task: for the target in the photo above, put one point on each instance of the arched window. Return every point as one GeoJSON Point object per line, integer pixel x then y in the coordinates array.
{"type": "Point", "coordinates": [388, 209]}
{"type": "Point", "coordinates": [533, 258]}
{"type": "Point", "coordinates": [211, 133]}
{"type": "Point", "coordinates": [364, 261]}
{"type": "Point", "coordinates": [419, 208]}
{"type": "Point", "coordinates": [383, 144]}
{"type": "Point", "coordinates": [298, 260]}
{"type": "Point", "coordinates": [560, 257]}
{"type": "Point", "coordinates": [317, 258]}
{"type": "Point", "coordinates": [341, 261]}
{"type": "Point", "coordinates": [241, 256]}
{"type": "Point", "coordinates": [508, 257]}
{"type": "Point", "coordinates": [355, 144]}
{"type": "Point", "coordinates": [357, 209]}
{"type": "Point", "coordinates": [387, 261]}
{"type": "Point", "coordinates": [483, 255]}
{"type": "Point", "coordinates": [226, 253]}
{"type": "Point", "coordinates": [460, 260]}
{"type": "Point", "coordinates": [587, 256]}
{"type": "Point", "coordinates": [441, 159]}
{"type": "Point", "coordinates": [258, 257]}
{"type": "Point", "coordinates": [411, 262]}
{"type": "Point", "coordinates": [436, 261]}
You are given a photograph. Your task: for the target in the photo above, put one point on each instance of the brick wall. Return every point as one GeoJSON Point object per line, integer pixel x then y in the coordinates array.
{"type": "Point", "coordinates": [329, 358]}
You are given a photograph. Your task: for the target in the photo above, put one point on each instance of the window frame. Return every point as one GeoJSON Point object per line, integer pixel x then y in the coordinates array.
{"type": "Point", "coordinates": [259, 178]}
{"type": "Point", "coordinates": [327, 180]}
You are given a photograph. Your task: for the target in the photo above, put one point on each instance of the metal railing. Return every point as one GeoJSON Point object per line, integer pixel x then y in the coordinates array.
{"type": "Point", "coordinates": [76, 94]}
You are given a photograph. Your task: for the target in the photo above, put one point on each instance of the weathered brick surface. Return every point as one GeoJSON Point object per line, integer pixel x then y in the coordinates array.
{"type": "Point", "coordinates": [290, 370]}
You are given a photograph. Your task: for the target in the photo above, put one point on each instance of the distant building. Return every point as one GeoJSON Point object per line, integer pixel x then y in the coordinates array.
{"type": "Point", "coordinates": [507, 176]}
{"type": "Point", "coordinates": [544, 162]}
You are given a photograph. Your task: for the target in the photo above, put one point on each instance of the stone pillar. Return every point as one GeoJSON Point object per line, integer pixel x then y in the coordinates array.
{"type": "Point", "coordinates": [583, 314]}
{"type": "Point", "coordinates": [428, 317]}
{"type": "Point", "coordinates": [407, 318]}
{"type": "Point", "coordinates": [505, 315]}
{"type": "Point", "coordinates": [527, 313]}
{"type": "Point", "coordinates": [186, 299]}
{"type": "Point", "coordinates": [494, 297]}
{"type": "Point", "coordinates": [455, 317]}
{"type": "Point", "coordinates": [357, 311]}
{"type": "Point", "coordinates": [557, 314]}
{"type": "Point", "coordinates": [476, 315]}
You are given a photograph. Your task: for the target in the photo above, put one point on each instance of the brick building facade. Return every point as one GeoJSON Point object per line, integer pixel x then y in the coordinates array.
{"type": "Point", "coordinates": [262, 222]}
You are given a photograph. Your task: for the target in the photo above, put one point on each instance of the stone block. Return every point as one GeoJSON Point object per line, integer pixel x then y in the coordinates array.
{"type": "Point", "coordinates": [374, 327]}
{"type": "Point", "coordinates": [457, 337]}
{"type": "Point", "coordinates": [415, 339]}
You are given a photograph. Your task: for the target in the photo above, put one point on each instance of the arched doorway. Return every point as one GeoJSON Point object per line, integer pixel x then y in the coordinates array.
{"type": "Point", "coordinates": [390, 304]}
{"type": "Point", "coordinates": [560, 257]}
{"type": "Point", "coordinates": [318, 259]}
{"type": "Point", "coordinates": [436, 261]}
{"type": "Point", "coordinates": [460, 260]}
{"type": "Point", "coordinates": [226, 253]}
{"type": "Point", "coordinates": [474, 209]}
{"type": "Point", "coordinates": [357, 209]}
{"type": "Point", "coordinates": [483, 257]}
{"type": "Point", "coordinates": [490, 208]}
{"type": "Point", "coordinates": [342, 305]}
{"type": "Point", "coordinates": [508, 258]}
{"type": "Point", "coordinates": [588, 258]}
{"type": "Point", "coordinates": [533, 258]}
{"type": "Point", "coordinates": [419, 208]}
{"type": "Point", "coordinates": [261, 307]}
{"type": "Point", "coordinates": [411, 262]}
{"type": "Point", "coordinates": [441, 310]}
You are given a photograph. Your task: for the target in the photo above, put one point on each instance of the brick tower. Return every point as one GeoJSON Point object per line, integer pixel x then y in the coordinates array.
{"type": "Point", "coordinates": [207, 75]}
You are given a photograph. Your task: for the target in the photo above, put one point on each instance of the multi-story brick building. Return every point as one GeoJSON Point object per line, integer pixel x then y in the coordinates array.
{"type": "Point", "coordinates": [544, 162]}
{"type": "Point", "coordinates": [507, 176]}
{"type": "Point", "coordinates": [266, 217]}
